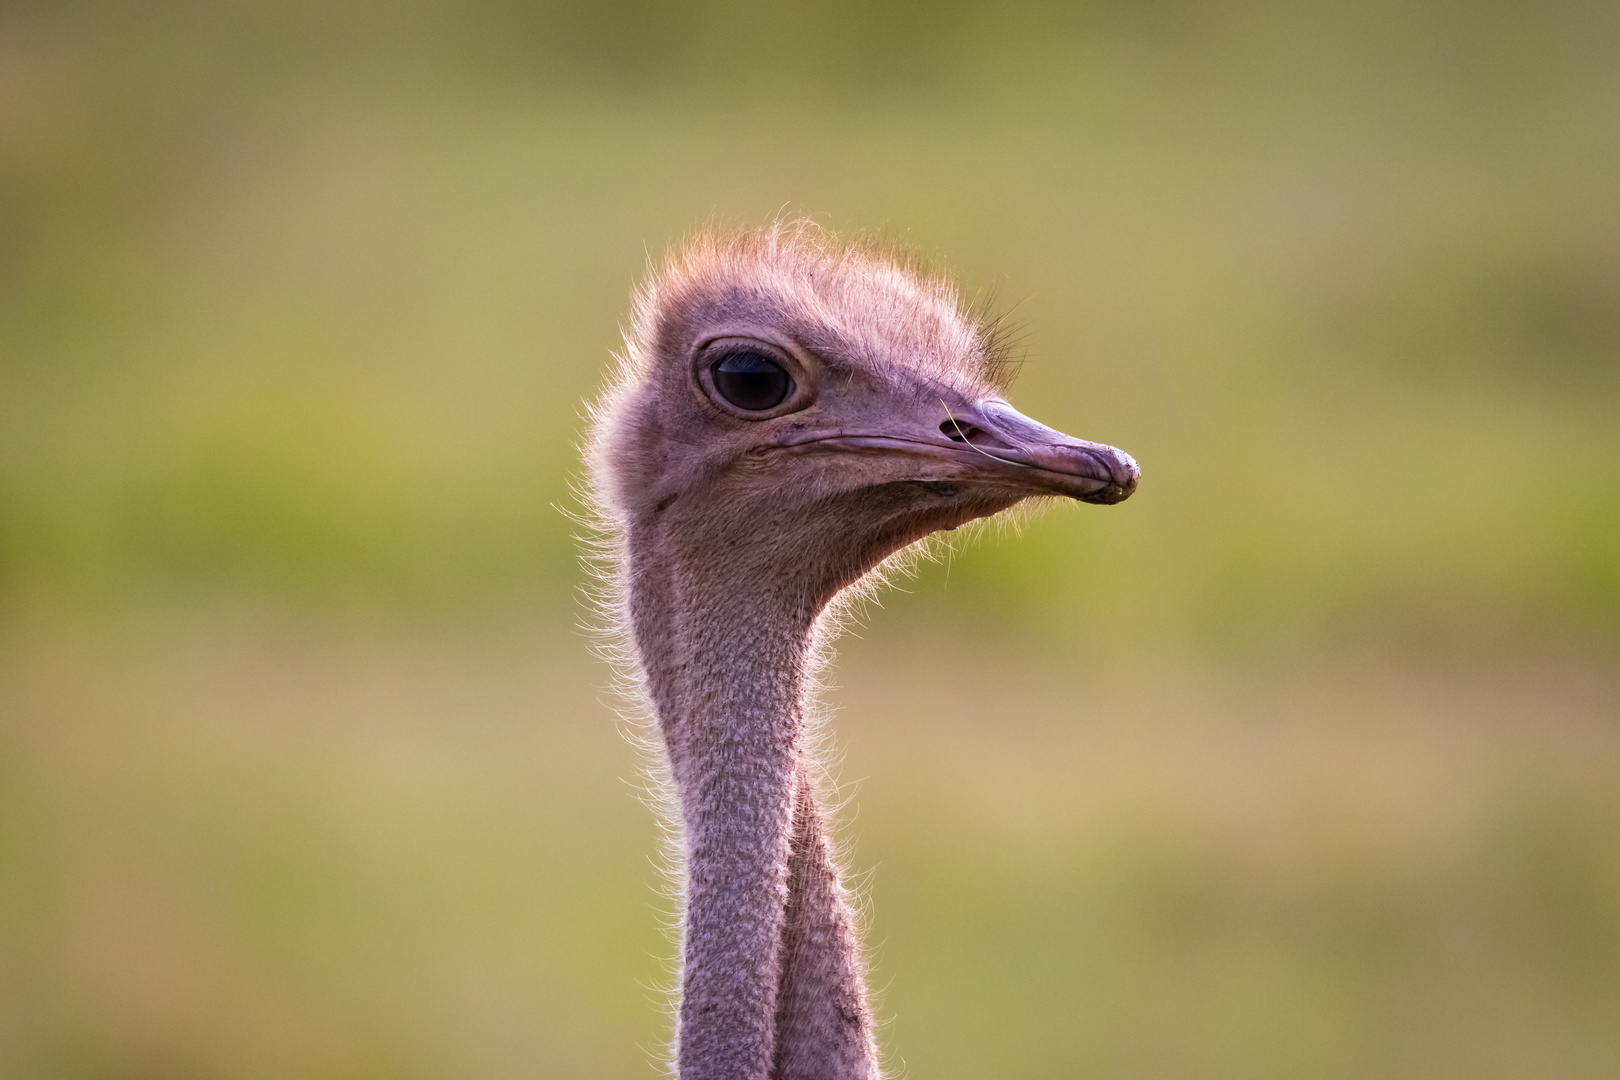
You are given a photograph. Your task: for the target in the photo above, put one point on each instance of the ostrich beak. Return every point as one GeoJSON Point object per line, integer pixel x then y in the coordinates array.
{"type": "Point", "coordinates": [1025, 451]}
{"type": "Point", "coordinates": [986, 441]}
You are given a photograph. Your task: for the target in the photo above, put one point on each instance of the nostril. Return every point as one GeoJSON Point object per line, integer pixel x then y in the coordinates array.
{"type": "Point", "coordinates": [973, 435]}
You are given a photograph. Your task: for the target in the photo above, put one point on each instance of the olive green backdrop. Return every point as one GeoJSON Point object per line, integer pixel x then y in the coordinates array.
{"type": "Point", "coordinates": [1305, 762]}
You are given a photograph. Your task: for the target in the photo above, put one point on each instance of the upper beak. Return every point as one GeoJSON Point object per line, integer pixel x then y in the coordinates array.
{"type": "Point", "coordinates": [1021, 450]}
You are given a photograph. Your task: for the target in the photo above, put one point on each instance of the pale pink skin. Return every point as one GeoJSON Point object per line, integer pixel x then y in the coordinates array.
{"type": "Point", "coordinates": [731, 533]}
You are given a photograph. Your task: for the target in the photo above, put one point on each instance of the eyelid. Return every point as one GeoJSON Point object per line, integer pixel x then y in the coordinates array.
{"type": "Point", "coordinates": [732, 354]}
{"type": "Point", "coordinates": [718, 348]}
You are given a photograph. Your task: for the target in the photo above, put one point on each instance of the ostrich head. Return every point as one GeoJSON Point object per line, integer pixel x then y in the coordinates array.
{"type": "Point", "coordinates": [800, 408]}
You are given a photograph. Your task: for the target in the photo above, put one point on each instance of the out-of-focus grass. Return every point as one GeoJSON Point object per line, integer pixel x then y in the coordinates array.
{"type": "Point", "coordinates": [325, 327]}
{"type": "Point", "coordinates": [1300, 763]}
{"type": "Point", "coordinates": [241, 847]}
{"type": "Point", "coordinates": [1360, 871]}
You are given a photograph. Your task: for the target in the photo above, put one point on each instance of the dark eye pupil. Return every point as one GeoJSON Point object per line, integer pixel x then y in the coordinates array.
{"type": "Point", "coordinates": [752, 381]}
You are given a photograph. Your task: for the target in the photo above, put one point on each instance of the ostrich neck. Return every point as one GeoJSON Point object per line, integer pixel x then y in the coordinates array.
{"type": "Point", "coordinates": [772, 984]}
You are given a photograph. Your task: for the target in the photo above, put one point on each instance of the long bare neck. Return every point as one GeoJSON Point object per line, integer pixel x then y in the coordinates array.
{"type": "Point", "coordinates": [773, 983]}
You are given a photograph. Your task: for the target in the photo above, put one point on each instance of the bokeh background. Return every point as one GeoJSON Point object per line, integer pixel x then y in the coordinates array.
{"type": "Point", "coordinates": [1303, 763]}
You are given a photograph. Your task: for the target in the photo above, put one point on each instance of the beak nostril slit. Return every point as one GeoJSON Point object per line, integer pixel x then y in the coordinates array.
{"type": "Point", "coordinates": [960, 431]}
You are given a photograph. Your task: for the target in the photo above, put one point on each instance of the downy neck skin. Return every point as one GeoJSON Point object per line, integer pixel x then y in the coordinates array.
{"type": "Point", "coordinates": [773, 982]}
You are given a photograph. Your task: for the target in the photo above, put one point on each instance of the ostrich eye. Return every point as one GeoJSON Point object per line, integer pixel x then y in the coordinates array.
{"type": "Point", "coordinates": [752, 381]}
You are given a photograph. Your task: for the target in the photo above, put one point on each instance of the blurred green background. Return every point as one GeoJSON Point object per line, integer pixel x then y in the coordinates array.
{"type": "Point", "coordinates": [1303, 763]}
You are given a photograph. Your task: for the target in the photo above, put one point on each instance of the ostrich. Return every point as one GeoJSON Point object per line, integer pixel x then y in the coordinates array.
{"type": "Point", "coordinates": [790, 410]}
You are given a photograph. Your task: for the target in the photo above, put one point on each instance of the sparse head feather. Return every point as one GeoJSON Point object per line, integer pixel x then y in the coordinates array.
{"type": "Point", "coordinates": [878, 299]}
